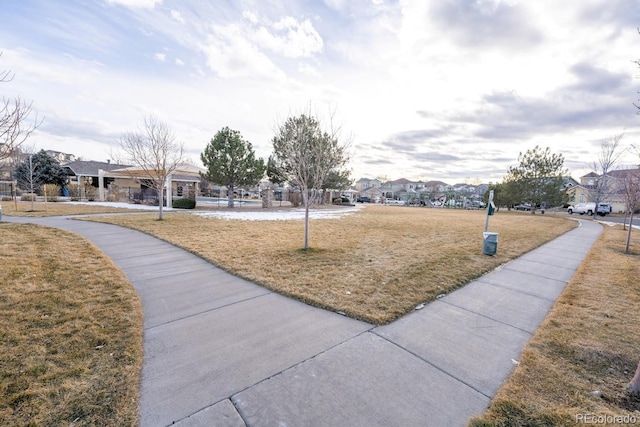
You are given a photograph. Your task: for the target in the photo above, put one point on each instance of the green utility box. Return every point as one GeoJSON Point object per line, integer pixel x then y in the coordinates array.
{"type": "Point", "coordinates": [490, 243]}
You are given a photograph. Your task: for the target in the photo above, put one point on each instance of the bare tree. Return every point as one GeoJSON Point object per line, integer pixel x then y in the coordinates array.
{"type": "Point", "coordinates": [14, 125]}
{"type": "Point", "coordinates": [634, 385]}
{"type": "Point", "coordinates": [610, 152]}
{"type": "Point", "coordinates": [28, 177]}
{"type": "Point", "coordinates": [156, 154]}
{"type": "Point", "coordinates": [304, 155]}
{"type": "Point", "coordinates": [631, 191]}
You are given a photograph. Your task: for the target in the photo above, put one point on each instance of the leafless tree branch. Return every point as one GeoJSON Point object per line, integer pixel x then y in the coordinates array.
{"type": "Point", "coordinates": [610, 152]}
{"type": "Point", "coordinates": [155, 151]}
{"type": "Point", "coordinates": [14, 126]}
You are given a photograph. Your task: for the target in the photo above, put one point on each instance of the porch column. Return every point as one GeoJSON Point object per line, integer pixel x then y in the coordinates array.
{"type": "Point", "coordinates": [169, 188]}
{"type": "Point", "coordinates": [101, 185]}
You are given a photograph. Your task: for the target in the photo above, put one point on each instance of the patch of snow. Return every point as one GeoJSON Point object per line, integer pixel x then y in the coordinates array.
{"type": "Point", "coordinates": [280, 215]}
{"type": "Point", "coordinates": [257, 214]}
{"type": "Point", "coordinates": [120, 205]}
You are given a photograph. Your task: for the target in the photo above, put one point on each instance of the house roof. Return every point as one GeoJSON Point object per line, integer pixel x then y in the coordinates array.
{"type": "Point", "coordinates": [399, 181]}
{"type": "Point", "coordinates": [623, 173]}
{"type": "Point", "coordinates": [137, 172]}
{"type": "Point", "coordinates": [435, 183]}
{"type": "Point", "coordinates": [89, 168]}
{"type": "Point", "coordinates": [590, 175]}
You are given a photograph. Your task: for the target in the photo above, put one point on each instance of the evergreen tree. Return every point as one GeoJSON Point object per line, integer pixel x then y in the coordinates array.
{"type": "Point", "coordinates": [39, 169]}
{"type": "Point", "coordinates": [231, 161]}
{"type": "Point", "coordinates": [539, 178]}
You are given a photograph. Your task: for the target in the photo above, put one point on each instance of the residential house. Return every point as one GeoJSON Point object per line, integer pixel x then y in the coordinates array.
{"type": "Point", "coordinates": [373, 193]}
{"type": "Point", "coordinates": [131, 183]}
{"type": "Point", "coordinates": [86, 174]}
{"type": "Point", "coordinates": [577, 192]}
{"type": "Point", "coordinates": [618, 198]}
{"type": "Point", "coordinates": [435, 186]}
{"type": "Point", "coordinates": [435, 192]}
{"type": "Point", "coordinates": [364, 183]}
{"type": "Point", "coordinates": [585, 190]}
{"type": "Point", "coordinates": [60, 156]}
{"type": "Point", "coordinates": [114, 182]}
{"type": "Point", "coordinates": [402, 185]}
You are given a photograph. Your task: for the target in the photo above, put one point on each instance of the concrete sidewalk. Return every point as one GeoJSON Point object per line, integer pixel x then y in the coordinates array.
{"type": "Point", "coordinates": [220, 351]}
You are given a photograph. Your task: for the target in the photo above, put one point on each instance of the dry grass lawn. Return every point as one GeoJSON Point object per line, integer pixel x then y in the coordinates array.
{"type": "Point", "coordinates": [590, 341]}
{"type": "Point", "coordinates": [41, 209]}
{"type": "Point", "coordinates": [71, 324]}
{"type": "Point", "coordinates": [71, 332]}
{"type": "Point", "coordinates": [374, 265]}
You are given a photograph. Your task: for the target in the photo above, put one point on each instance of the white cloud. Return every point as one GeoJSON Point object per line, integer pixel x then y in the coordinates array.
{"type": "Point", "coordinates": [296, 39]}
{"type": "Point", "coordinates": [136, 4]}
{"type": "Point", "coordinates": [308, 69]}
{"type": "Point", "coordinates": [430, 89]}
{"type": "Point", "coordinates": [335, 4]}
{"type": "Point", "coordinates": [177, 16]}
{"type": "Point", "coordinates": [242, 49]}
{"type": "Point", "coordinates": [250, 16]}
{"type": "Point", "coordinates": [231, 54]}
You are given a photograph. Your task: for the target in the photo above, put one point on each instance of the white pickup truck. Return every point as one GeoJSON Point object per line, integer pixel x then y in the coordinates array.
{"type": "Point", "coordinates": [590, 209]}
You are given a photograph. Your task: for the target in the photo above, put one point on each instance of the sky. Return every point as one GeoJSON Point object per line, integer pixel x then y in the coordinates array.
{"type": "Point", "coordinates": [448, 90]}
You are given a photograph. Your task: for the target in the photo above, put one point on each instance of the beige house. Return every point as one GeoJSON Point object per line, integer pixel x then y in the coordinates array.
{"type": "Point", "coordinates": [123, 183]}
{"type": "Point", "coordinates": [614, 195]}
{"type": "Point", "coordinates": [131, 183]}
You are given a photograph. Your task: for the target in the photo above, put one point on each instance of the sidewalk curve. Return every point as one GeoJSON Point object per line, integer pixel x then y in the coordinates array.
{"type": "Point", "coordinates": [221, 351]}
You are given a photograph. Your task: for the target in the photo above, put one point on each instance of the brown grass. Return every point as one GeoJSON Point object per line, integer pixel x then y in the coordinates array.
{"type": "Point", "coordinates": [41, 209]}
{"type": "Point", "coordinates": [589, 342]}
{"type": "Point", "coordinates": [375, 265]}
{"type": "Point", "coordinates": [71, 332]}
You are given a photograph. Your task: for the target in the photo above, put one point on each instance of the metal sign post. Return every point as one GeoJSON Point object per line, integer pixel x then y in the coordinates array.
{"type": "Point", "coordinates": [490, 209]}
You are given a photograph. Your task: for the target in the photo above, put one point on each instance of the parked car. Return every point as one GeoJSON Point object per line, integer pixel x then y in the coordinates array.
{"type": "Point", "coordinates": [476, 204]}
{"type": "Point", "coordinates": [393, 202]}
{"type": "Point", "coordinates": [590, 209]}
{"type": "Point", "coordinates": [364, 199]}
{"type": "Point", "coordinates": [522, 207]}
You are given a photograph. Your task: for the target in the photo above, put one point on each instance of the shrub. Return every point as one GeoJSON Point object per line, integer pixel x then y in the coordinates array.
{"type": "Point", "coordinates": [51, 191]}
{"type": "Point", "coordinates": [28, 197]}
{"type": "Point", "coordinates": [74, 191]}
{"type": "Point", "coordinates": [90, 192]}
{"type": "Point", "coordinates": [184, 203]}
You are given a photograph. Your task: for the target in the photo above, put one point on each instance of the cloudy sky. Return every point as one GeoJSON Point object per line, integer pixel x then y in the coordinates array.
{"type": "Point", "coordinates": [449, 90]}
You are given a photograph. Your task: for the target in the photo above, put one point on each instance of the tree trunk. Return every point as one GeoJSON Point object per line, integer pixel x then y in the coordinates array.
{"type": "Point", "coordinates": [626, 250]}
{"type": "Point", "coordinates": [230, 196]}
{"type": "Point", "coordinates": [634, 385]}
{"type": "Point", "coordinates": [307, 201]}
{"type": "Point", "coordinates": [306, 227]}
{"type": "Point", "coordinates": [160, 201]}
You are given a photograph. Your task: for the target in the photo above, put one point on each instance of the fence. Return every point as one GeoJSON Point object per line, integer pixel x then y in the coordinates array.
{"type": "Point", "coordinates": [8, 189]}
{"type": "Point", "coordinates": [145, 196]}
